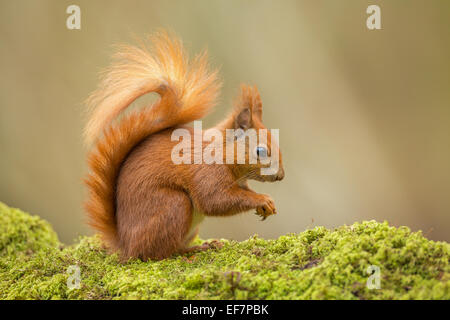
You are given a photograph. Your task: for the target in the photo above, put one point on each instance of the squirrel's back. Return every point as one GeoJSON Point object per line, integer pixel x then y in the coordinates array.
{"type": "Point", "coordinates": [187, 90]}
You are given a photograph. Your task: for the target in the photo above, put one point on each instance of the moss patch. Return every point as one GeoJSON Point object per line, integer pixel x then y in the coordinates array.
{"type": "Point", "coordinates": [314, 264]}
{"type": "Point", "coordinates": [21, 233]}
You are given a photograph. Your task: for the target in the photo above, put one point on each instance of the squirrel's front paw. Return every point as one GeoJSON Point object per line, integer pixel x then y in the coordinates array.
{"type": "Point", "coordinates": [267, 208]}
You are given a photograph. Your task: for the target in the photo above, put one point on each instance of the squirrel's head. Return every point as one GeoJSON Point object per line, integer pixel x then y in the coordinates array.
{"type": "Point", "coordinates": [254, 148]}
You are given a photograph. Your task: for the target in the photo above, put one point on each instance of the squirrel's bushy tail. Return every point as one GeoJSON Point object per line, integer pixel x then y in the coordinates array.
{"type": "Point", "coordinates": [187, 90]}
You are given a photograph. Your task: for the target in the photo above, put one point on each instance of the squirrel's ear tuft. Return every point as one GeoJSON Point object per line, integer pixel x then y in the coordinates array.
{"type": "Point", "coordinates": [256, 103]}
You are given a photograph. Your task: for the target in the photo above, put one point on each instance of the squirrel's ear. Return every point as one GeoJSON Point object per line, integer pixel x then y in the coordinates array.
{"type": "Point", "coordinates": [250, 98]}
{"type": "Point", "coordinates": [243, 119]}
{"type": "Point", "coordinates": [248, 107]}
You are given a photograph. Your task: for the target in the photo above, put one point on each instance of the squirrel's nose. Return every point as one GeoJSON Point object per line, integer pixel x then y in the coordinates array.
{"type": "Point", "coordinates": [280, 174]}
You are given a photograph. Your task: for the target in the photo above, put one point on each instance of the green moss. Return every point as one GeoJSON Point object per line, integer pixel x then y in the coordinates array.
{"type": "Point", "coordinates": [314, 264]}
{"type": "Point", "coordinates": [21, 233]}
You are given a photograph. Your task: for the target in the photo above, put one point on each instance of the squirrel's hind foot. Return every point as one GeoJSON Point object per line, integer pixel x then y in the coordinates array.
{"type": "Point", "coordinates": [214, 244]}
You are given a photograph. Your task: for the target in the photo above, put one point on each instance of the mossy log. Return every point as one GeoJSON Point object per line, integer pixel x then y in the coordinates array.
{"type": "Point", "coordinates": [313, 264]}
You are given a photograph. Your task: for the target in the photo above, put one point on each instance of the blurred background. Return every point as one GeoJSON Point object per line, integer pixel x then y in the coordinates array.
{"type": "Point", "coordinates": [364, 115]}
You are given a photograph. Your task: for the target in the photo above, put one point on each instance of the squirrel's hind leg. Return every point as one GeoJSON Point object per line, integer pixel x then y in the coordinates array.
{"type": "Point", "coordinates": [157, 226]}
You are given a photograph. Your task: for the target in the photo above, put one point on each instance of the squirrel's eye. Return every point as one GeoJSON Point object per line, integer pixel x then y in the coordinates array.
{"type": "Point", "coordinates": [261, 152]}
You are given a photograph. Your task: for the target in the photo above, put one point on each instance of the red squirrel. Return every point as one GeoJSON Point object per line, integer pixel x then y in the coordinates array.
{"type": "Point", "coordinates": [143, 204]}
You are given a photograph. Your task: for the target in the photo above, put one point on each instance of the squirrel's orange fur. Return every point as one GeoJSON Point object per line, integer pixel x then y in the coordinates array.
{"type": "Point", "coordinates": [139, 200]}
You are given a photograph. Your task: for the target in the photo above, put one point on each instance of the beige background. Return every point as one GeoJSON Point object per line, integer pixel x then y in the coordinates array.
{"type": "Point", "coordinates": [364, 116]}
